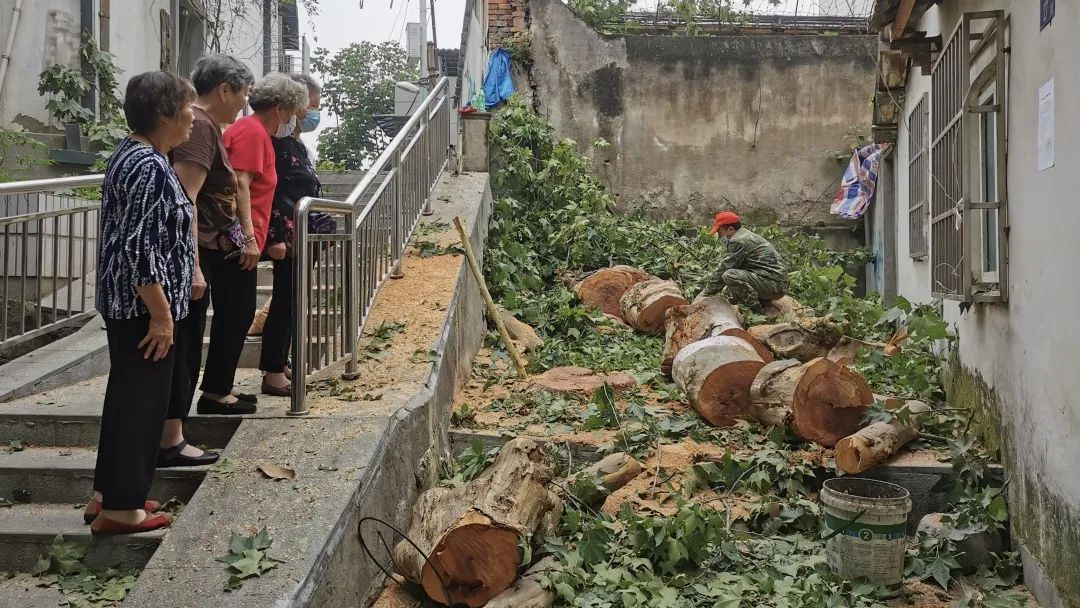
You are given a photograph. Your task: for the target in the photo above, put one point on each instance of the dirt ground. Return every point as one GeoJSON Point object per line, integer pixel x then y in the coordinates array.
{"type": "Point", "coordinates": [420, 300]}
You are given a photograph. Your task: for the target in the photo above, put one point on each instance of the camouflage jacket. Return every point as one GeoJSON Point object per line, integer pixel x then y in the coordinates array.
{"type": "Point", "coordinates": [754, 253]}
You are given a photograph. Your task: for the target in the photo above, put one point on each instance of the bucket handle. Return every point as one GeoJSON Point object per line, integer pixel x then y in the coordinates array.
{"type": "Point", "coordinates": [847, 523]}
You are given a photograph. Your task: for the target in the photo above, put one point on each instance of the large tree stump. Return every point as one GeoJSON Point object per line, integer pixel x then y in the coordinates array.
{"type": "Point", "coordinates": [603, 289]}
{"type": "Point", "coordinates": [705, 318]}
{"type": "Point", "coordinates": [645, 305]}
{"type": "Point", "coordinates": [470, 534]}
{"type": "Point", "coordinates": [821, 401]}
{"type": "Point", "coordinates": [716, 374]}
{"type": "Point", "coordinates": [878, 442]}
{"type": "Point", "coordinates": [804, 339]}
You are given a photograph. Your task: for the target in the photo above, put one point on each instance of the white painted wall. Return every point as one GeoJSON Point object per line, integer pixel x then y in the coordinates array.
{"type": "Point", "coordinates": [20, 94]}
{"type": "Point", "coordinates": [1026, 350]}
{"type": "Point", "coordinates": [134, 39]}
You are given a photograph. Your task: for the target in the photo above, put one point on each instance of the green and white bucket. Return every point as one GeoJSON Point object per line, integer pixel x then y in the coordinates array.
{"type": "Point", "coordinates": [868, 520]}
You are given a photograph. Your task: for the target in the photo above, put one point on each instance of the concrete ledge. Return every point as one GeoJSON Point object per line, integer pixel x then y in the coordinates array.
{"type": "Point", "coordinates": [80, 356]}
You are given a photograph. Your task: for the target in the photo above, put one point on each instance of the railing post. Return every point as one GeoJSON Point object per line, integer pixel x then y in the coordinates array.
{"type": "Point", "coordinates": [428, 136]}
{"type": "Point", "coordinates": [352, 301]}
{"type": "Point", "coordinates": [301, 274]}
{"type": "Point", "coordinates": [395, 219]}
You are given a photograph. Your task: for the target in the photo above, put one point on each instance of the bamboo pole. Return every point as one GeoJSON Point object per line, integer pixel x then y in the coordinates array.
{"type": "Point", "coordinates": [493, 312]}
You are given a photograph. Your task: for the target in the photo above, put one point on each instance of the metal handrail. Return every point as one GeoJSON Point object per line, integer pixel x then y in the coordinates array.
{"type": "Point", "coordinates": [345, 311]}
{"type": "Point", "coordinates": [382, 219]}
{"type": "Point", "coordinates": [29, 240]}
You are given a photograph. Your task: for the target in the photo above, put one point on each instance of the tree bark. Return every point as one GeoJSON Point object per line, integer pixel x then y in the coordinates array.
{"type": "Point", "coordinates": [705, 318]}
{"type": "Point", "coordinates": [878, 442]}
{"type": "Point", "coordinates": [821, 401]}
{"type": "Point", "coordinates": [786, 308]}
{"type": "Point", "coordinates": [804, 339]}
{"type": "Point", "coordinates": [604, 288]}
{"type": "Point", "coordinates": [520, 331]}
{"type": "Point", "coordinates": [470, 534]}
{"type": "Point", "coordinates": [527, 592]}
{"type": "Point", "coordinates": [594, 483]}
{"type": "Point", "coordinates": [645, 304]}
{"type": "Point", "coordinates": [716, 374]}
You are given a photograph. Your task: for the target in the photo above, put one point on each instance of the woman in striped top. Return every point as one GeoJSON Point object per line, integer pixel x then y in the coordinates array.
{"type": "Point", "coordinates": [145, 266]}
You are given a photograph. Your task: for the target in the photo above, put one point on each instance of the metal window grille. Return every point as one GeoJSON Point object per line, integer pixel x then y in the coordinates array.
{"type": "Point", "coordinates": [918, 179]}
{"type": "Point", "coordinates": [955, 108]}
{"type": "Point", "coordinates": [949, 78]}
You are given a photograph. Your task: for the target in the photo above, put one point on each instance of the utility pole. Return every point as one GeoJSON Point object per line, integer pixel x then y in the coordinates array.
{"type": "Point", "coordinates": [423, 39]}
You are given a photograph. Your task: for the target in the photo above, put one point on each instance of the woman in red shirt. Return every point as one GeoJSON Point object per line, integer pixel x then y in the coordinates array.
{"type": "Point", "coordinates": [275, 100]}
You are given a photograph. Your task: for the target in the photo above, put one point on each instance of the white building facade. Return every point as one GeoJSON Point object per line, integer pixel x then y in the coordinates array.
{"type": "Point", "coordinates": [978, 209]}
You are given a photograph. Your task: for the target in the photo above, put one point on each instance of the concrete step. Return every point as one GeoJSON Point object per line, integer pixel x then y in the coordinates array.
{"type": "Point", "coordinates": [78, 424]}
{"type": "Point", "coordinates": [62, 475]}
{"type": "Point", "coordinates": [27, 530]}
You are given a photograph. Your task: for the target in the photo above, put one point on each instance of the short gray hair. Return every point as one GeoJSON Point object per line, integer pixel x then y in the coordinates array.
{"type": "Point", "coordinates": [308, 81]}
{"type": "Point", "coordinates": [213, 70]}
{"type": "Point", "coordinates": [276, 90]}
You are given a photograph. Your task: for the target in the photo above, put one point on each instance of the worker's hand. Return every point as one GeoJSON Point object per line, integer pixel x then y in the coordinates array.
{"type": "Point", "coordinates": [277, 251]}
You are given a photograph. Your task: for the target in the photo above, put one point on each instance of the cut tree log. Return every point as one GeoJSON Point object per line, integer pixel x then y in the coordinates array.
{"type": "Point", "coordinates": [705, 318]}
{"type": "Point", "coordinates": [604, 288]}
{"type": "Point", "coordinates": [594, 483]}
{"type": "Point", "coordinates": [821, 400]}
{"type": "Point", "coordinates": [580, 380]}
{"type": "Point", "coordinates": [645, 304]}
{"type": "Point", "coordinates": [786, 308]}
{"type": "Point", "coordinates": [804, 339]}
{"type": "Point", "coordinates": [520, 331]}
{"type": "Point", "coordinates": [878, 442]}
{"type": "Point", "coordinates": [716, 374]}
{"type": "Point", "coordinates": [527, 592]}
{"type": "Point", "coordinates": [469, 535]}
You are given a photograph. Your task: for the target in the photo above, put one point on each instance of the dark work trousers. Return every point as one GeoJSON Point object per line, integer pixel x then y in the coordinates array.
{"type": "Point", "coordinates": [277, 332]}
{"type": "Point", "coordinates": [140, 394]}
{"type": "Point", "coordinates": [232, 292]}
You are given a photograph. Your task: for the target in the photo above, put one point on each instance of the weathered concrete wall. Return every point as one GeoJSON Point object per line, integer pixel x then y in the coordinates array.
{"type": "Point", "coordinates": [703, 123]}
{"type": "Point", "coordinates": [1015, 360]}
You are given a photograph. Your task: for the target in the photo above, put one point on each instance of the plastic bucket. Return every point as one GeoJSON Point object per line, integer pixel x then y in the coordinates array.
{"type": "Point", "coordinates": [868, 523]}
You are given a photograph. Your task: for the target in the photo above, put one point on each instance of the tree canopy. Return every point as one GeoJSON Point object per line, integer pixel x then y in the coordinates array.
{"type": "Point", "coordinates": [358, 83]}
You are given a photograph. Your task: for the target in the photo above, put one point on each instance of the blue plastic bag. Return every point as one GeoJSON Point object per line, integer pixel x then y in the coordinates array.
{"type": "Point", "coordinates": [498, 86]}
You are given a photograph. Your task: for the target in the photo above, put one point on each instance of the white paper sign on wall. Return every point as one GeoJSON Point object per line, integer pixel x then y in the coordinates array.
{"type": "Point", "coordinates": [1046, 126]}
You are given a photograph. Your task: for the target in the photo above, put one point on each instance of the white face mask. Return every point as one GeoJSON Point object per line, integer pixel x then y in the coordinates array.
{"type": "Point", "coordinates": [286, 128]}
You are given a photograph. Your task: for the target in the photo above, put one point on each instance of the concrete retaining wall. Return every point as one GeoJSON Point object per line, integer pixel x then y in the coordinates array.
{"type": "Point", "coordinates": [701, 123]}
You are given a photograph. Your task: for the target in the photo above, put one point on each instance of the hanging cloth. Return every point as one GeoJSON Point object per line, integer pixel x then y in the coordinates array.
{"type": "Point", "coordinates": [498, 86]}
{"type": "Point", "coordinates": [859, 183]}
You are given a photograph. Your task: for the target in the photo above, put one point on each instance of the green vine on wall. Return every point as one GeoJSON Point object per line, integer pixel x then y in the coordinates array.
{"type": "Point", "coordinates": [65, 88]}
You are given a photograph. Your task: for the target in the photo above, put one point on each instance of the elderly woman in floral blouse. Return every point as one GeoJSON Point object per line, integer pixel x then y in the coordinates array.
{"type": "Point", "coordinates": [145, 267]}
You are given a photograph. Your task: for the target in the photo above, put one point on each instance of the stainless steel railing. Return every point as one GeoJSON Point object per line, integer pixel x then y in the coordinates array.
{"type": "Point", "coordinates": [48, 252]}
{"type": "Point", "coordinates": [325, 322]}
{"type": "Point", "coordinates": [386, 205]}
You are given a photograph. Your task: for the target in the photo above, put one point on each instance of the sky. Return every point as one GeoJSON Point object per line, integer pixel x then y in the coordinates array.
{"type": "Point", "coordinates": [343, 22]}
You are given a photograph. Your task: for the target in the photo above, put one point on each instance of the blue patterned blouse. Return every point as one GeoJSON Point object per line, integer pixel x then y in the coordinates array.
{"type": "Point", "coordinates": [145, 233]}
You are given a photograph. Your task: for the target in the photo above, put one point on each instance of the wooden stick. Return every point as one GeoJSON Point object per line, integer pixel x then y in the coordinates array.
{"type": "Point", "coordinates": [493, 312]}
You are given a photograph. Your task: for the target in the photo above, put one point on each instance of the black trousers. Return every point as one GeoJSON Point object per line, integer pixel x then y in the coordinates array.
{"type": "Point", "coordinates": [232, 292]}
{"type": "Point", "coordinates": [277, 332]}
{"type": "Point", "coordinates": [140, 395]}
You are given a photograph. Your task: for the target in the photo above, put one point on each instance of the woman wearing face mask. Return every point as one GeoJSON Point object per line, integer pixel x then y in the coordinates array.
{"type": "Point", "coordinates": [296, 179]}
{"type": "Point", "coordinates": [275, 100]}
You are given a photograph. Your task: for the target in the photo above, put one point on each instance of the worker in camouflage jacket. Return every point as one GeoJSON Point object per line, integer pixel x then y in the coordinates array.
{"type": "Point", "coordinates": [753, 271]}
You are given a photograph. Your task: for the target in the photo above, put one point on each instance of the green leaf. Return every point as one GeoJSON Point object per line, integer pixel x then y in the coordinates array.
{"type": "Point", "coordinates": [998, 510]}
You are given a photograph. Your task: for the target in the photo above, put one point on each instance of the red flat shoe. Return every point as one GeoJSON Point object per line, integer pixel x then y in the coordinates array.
{"type": "Point", "coordinates": [94, 507]}
{"type": "Point", "coordinates": [104, 525]}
